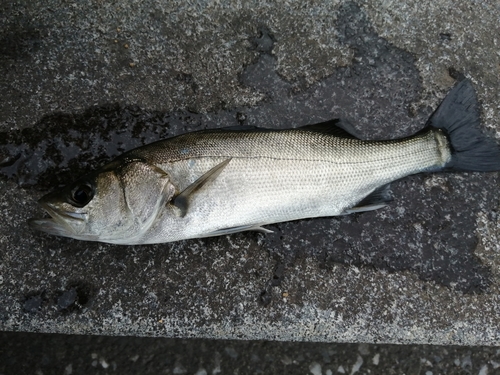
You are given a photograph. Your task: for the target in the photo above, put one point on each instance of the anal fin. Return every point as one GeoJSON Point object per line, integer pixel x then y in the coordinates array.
{"type": "Point", "coordinates": [241, 228]}
{"type": "Point", "coordinates": [373, 201]}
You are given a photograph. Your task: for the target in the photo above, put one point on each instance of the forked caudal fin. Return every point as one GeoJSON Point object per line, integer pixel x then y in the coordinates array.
{"type": "Point", "coordinates": [458, 116]}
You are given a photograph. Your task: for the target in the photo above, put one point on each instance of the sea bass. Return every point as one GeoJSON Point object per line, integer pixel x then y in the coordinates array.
{"type": "Point", "coordinates": [218, 182]}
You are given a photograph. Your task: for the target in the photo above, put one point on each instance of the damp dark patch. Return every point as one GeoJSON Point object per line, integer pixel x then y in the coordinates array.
{"type": "Point", "coordinates": [188, 80]}
{"type": "Point", "coordinates": [266, 295]}
{"type": "Point", "coordinates": [264, 42]}
{"type": "Point", "coordinates": [20, 40]}
{"type": "Point", "coordinates": [446, 37]}
{"type": "Point", "coordinates": [34, 302]}
{"type": "Point", "coordinates": [62, 147]}
{"type": "Point", "coordinates": [75, 297]}
{"type": "Point", "coordinates": [429, 229]}
{"type": "Point", "coordinates": [241, 117]}
{"type": "Point", "coordinates": [455, 74]}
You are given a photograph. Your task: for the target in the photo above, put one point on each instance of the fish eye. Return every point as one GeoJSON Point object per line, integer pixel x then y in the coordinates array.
{"type": "Point", "coordinates": [82, 194]}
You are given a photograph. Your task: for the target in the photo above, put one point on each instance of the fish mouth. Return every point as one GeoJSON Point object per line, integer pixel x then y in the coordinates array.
{"type": "Point", "coordinates": [60, 223]}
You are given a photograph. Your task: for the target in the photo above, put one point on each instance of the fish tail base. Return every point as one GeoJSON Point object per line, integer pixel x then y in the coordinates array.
{"type": "Point", "coordinates": [443, 147]}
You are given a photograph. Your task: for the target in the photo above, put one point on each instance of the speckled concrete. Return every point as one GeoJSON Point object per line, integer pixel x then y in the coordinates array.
{"type": "Point", "coordinates": [83, 82]}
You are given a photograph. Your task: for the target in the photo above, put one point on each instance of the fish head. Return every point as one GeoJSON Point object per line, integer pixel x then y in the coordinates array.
{"type": "Point", "coordinates": [93, 208]}
{"type": "Point", "coordinates": [117, 204]}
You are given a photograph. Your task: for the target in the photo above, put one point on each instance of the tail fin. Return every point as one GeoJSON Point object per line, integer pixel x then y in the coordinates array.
{"type": "Point", "coordinates": [458, 116]}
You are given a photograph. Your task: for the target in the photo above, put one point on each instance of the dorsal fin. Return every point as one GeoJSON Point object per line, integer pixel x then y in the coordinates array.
{"type": "Point", "coordinates": [339, 128]}
{"type": "Point", "coordinates": [242, 128]}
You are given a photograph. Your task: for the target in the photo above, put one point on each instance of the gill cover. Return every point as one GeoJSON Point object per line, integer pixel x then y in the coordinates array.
{"type": "Point", "coordinates": [146, 190]}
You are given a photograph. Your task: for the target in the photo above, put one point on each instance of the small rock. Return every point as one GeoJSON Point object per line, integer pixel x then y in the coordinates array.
{"type": "Point", "coordinates": [483, 370]}
{"type": "Point", "coordinates": [33, 303]}
{"type": "Point", "coordinates": [231, 352]}
{"type": "Point", "coordinates": [67, 298]}
{"type": "Point", "coordinates": [315, 368]}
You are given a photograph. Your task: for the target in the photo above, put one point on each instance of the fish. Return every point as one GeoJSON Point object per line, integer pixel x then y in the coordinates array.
{"type": "Point", "coordinates": [229, 180]}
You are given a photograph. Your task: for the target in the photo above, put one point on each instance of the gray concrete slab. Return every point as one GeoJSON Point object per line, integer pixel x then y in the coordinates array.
{"type": "Point", "coordinates": [83, 82]}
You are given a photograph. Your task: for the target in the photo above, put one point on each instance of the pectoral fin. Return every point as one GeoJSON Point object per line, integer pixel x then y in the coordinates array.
{"type": "Point", "coordinates": [241, 228]}
{"type": "Point", "coordinates": [181, 201]}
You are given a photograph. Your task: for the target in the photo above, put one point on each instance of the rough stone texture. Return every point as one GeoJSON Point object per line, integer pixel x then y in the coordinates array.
{"type": "Point", "coordinates": [83, 82]}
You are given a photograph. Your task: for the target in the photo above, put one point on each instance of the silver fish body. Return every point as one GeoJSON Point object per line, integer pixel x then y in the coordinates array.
{"type": "Point", "coordinates": [277, 176]}
{"type": "Point", "coordinates": [226, 181]}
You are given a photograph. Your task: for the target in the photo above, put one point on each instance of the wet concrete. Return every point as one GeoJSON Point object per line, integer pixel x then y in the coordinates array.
{"type": "Point", "coordinates": [421, 263]}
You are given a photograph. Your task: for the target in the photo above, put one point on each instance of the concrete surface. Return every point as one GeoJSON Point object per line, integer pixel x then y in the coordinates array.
{"type": "Point", "coordinates": [82, 82]}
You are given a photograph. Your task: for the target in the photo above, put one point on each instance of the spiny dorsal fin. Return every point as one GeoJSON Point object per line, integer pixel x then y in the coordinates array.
{"type": "Point", "coordinates": [181, 201]}
{"type": "Point", "coordinates": [243, 128]}
{"type": "Point", "coordinates": [339, 128]}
